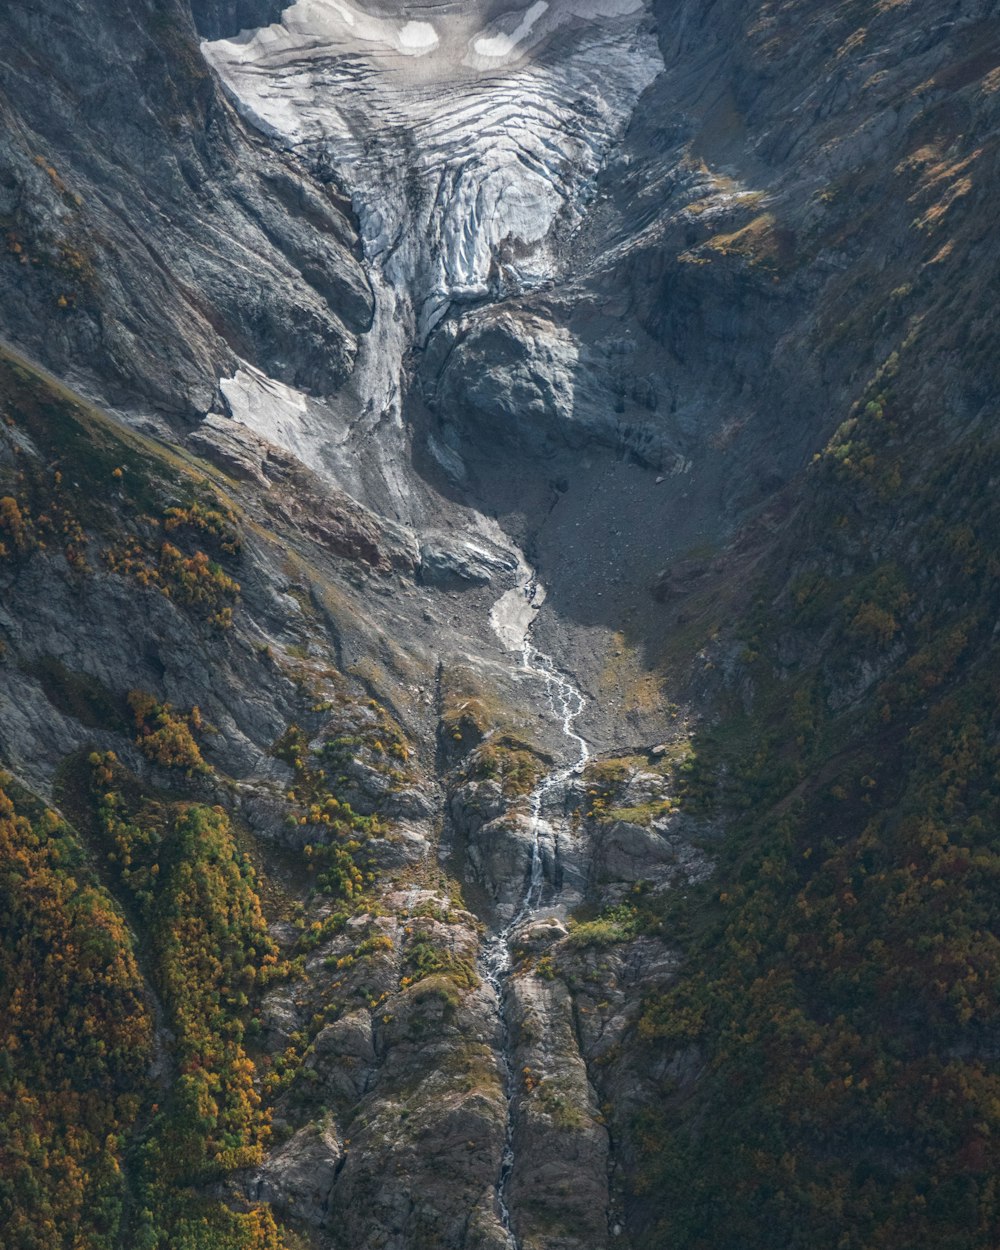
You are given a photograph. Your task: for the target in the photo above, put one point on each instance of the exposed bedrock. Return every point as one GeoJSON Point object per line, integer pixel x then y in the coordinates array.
{"type": "Point", "coordinates": [215, 19]}
{"type": "Point", "coordinates": [559, 1184]}
{"type": "Point", "coordinates": [150, 241]}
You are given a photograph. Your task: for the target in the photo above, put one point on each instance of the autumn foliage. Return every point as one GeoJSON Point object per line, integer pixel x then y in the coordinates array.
{"type": "Point", "coordinates": [165, 736]}
{"type": "Point", "coordinates": [76, 1036]}
{"type": "Point", "coordinates": [210, 950]}
{"type": "Point", "coordinates": [838, 999]}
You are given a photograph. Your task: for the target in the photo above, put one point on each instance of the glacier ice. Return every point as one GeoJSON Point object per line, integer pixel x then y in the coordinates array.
{"type": "Point", "coordinates": [466, 135]}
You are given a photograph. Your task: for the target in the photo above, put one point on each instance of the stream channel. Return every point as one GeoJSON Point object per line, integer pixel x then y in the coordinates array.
{"type": "Point", "coordinates": [567, 703]}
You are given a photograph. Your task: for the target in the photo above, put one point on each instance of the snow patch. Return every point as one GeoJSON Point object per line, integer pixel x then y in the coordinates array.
{"type": "Point", "coordinates": [513, 614]}
{"type": "Point", "coordinates": [275, 412]}
{"type": "Point", "coordinates": [417, 38]}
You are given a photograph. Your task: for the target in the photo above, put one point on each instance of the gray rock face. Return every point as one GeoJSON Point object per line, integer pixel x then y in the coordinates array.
{"type": "Point", "coordinates": [215, 19]}
{"type": "Point", "coordinates": [632, 853]}
{"type": "Point", "coordinates": [187, 667]}
{"type": "Point", "coordinates": [149, 239]}
{"type": "Point", "coordinates": [513, 375]}
{"type": "Point", "coordinates": [299, 1177]}
{"type": "Point", "coordinates": [559, 1185]}
{"type": "Point", "coordinates": [500, 855]}
{"type": "Point", "coordinates": [425, 1144]}
{"type": "Point", "coordinates": [445, 561]}
{"type": "Point", "coordinates": [233, 448]}
{"type": "Point", "coordinates": [344, 1054]}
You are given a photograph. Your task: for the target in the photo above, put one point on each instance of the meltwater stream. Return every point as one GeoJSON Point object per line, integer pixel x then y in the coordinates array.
{"type": "Point", "coordinates": [567, 703]}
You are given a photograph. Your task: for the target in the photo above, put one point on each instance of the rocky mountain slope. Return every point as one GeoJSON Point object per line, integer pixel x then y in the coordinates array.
{"type": "Point", "coordinates": [498, 625]}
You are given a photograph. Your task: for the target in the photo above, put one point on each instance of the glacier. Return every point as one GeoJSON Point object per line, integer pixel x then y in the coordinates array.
{"type": "Point", "coordinates": [468, 136]}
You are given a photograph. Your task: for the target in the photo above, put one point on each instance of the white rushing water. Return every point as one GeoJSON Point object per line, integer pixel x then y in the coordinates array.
{"type": "Point", "coordinates": [567, 703]}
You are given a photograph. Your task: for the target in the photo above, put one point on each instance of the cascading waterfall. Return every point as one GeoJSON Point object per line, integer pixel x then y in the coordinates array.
{"type": "Point", "coordinates": [568, 703]}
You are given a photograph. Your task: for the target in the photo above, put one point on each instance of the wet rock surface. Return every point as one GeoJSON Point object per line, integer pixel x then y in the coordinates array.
{"type": "Point", "coordinates": [559, 1184]}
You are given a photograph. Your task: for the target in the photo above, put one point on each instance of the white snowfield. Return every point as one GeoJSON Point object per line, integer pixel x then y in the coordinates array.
{"type": "Point", "coordinates": [274, 411]}
{"type": "Point", "coordinates": [466, 132]}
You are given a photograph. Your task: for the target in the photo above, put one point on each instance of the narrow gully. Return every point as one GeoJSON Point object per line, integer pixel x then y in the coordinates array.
{"type": "Point", "coordinates": [567, 702]}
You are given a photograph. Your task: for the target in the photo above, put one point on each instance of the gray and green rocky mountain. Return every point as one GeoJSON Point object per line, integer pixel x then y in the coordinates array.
{"type": "Point", "coordinates": [499, 595]}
